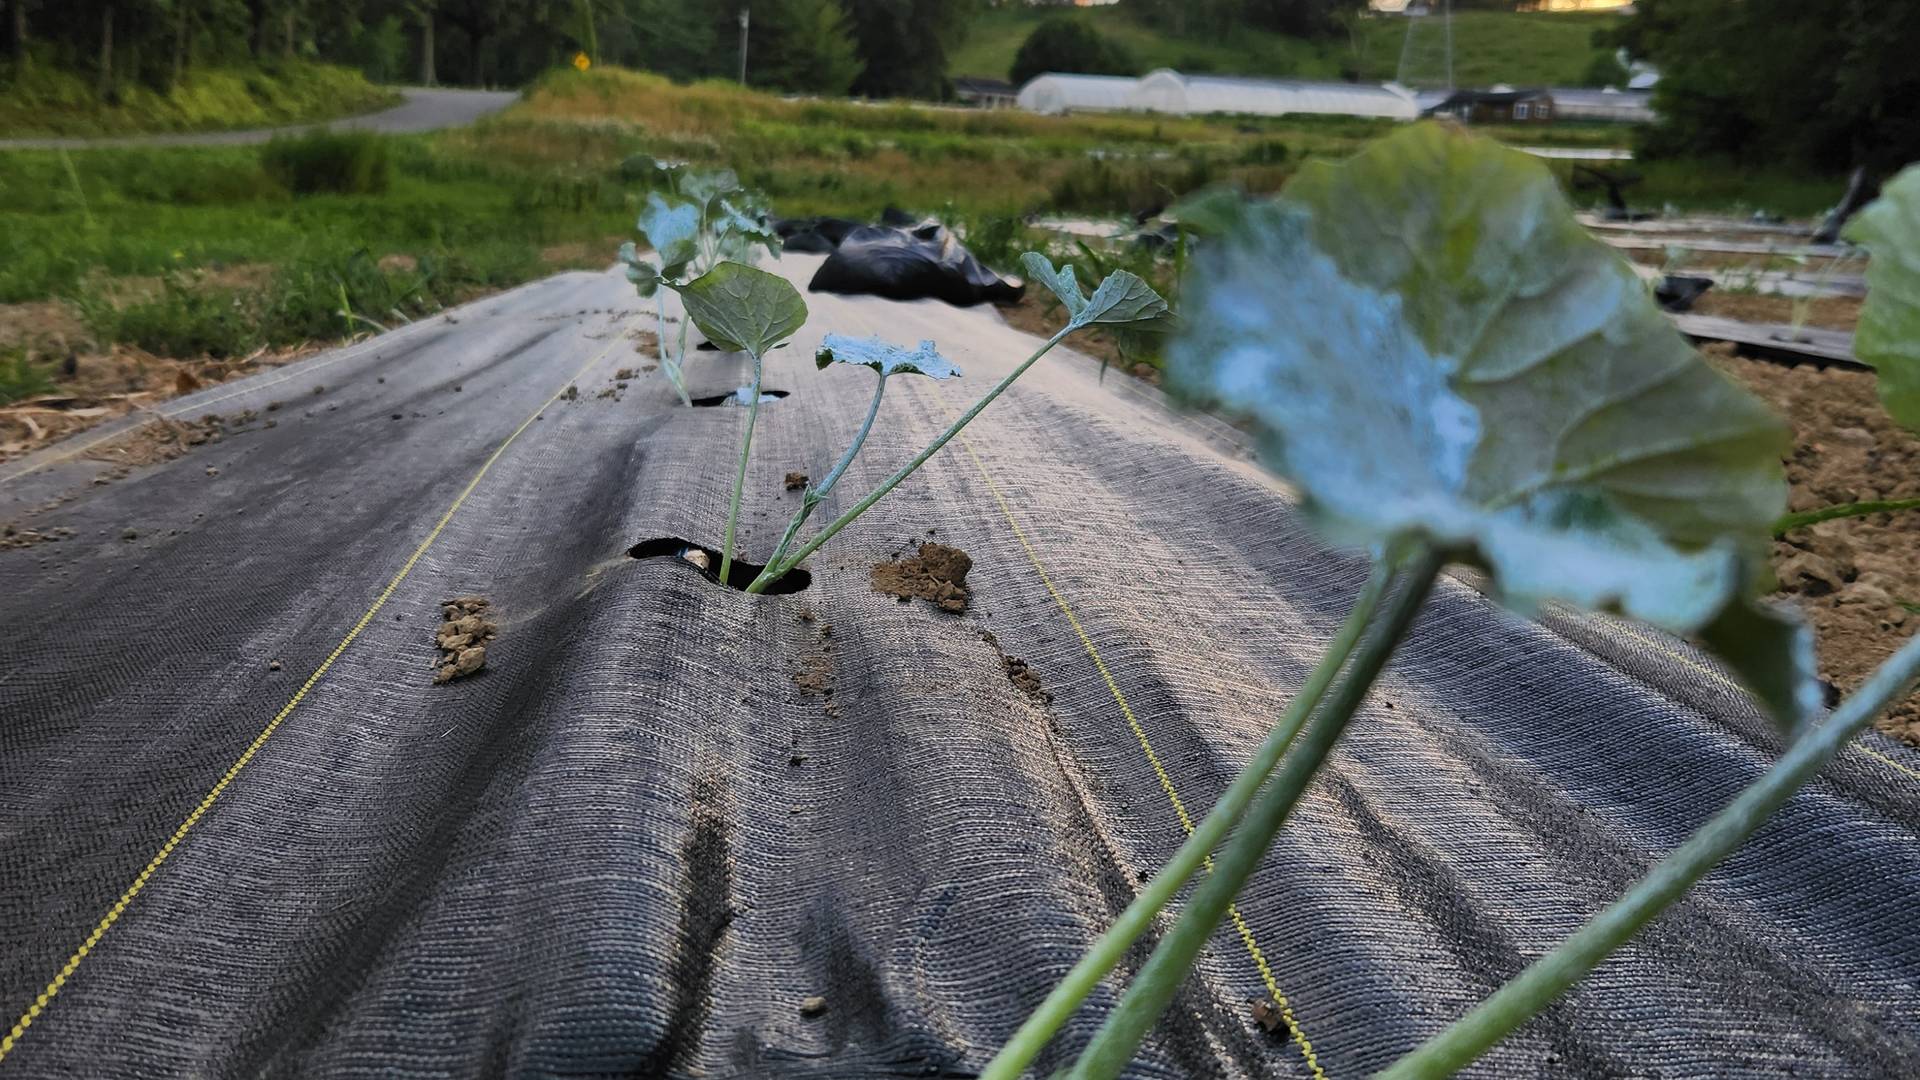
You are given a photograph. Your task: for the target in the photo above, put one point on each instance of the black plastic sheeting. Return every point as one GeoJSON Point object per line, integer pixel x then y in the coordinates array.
{"type": "Point", "coordinates": [666, 815]}
{"type": "Point", "coordinates": [918, 261]}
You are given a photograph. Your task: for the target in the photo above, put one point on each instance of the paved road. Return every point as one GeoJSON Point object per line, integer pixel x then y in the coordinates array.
{"type": "Point", "coordinates": [423, 110]}
{"type": "Point", "coordinates": [664, 816]}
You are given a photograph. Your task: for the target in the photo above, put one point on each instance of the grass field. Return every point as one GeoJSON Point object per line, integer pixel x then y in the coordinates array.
{"type": "Point", "coordinates": [210, 250]}
{"type": "Point", "coordinates": [1489, 47]}
{"type": "Point", "coordinates": [43, 101]}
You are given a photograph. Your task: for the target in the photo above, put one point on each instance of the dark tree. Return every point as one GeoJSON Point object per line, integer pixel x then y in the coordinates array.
{"type": "Point", "coordinates": [905, 44]}
{"type": "Point", "coordinates": [1068, 44]}
{"type": "Point", "coordinates": [1783, 82]}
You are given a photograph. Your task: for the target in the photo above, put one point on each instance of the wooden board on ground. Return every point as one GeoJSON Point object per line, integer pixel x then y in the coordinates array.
{"type": "Point", "coordinates": [1773, 341]}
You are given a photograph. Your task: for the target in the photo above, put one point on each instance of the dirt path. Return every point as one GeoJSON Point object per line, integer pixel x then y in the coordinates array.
{"type": "Point", "coordinates": [424, 109]}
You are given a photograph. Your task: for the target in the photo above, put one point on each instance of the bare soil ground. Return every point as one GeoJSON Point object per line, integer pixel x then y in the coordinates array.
{"type": "Point", "coordinates": [1857, 579]}
{"type": "Point", "coordinates": [1826, 312]}
{"type": "Point", "coordinates": [102, 387]}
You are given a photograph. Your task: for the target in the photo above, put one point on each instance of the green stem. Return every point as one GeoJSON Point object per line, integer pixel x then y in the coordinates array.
{"type": "Point", "coordinates": [1053, 1013]}
{"type": "Point", "coordinates": [740, 475]}
{"type": "Point", "coordinates": [1805, 518]}
{"type": "Point", "coordinates": [1120, 1036]}
{"type": "Point", "coordinates": [776, 573]}
{"type": "Point", "coordinates": [667, 363]}
{"type": "Point", "coordinates": [1551, 975]}
{"type": "Point", "coordinates": [813, 495]}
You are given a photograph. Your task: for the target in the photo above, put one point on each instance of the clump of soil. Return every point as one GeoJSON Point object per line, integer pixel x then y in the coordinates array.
{"type": "Point", "coordinates": [1019, 673]}
{"type": "Point", "coordinates": [462, 639]}
{"type": "Point", "coordinates": [1857, 579]}
{"type": "Point", "coordinates": [938, 573]}
{"type": "Point", "coordinates": [796, 480]}
{"type": "Point", "coordinates": [12, 536]}
{"type": "Point", "coordinates": [815, 677]}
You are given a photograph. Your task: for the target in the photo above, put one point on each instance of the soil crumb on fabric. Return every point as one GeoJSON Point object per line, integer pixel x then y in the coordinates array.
{"type": "Point", "coordinates": [165, 440]}
{"type": "Point", "coordinates": [938, 573]}
{"type": "Point", "coordinates": [463, 638]}
{"type": "Point", "coordinates": [12, 536]}
{"type": "Point", "coordinates": [1856, 579]}
{"type": "Point", "coordinates": [796, 480]}
{"type": "Point", "coordinates": [813, 1006]}
{"type": "Point", "coordinates": [1019, 672]}
{"type": "Point", "coordinates": [815, 676]}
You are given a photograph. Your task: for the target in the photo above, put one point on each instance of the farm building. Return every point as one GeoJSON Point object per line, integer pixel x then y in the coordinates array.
{"type": "Point", "coordinates": [1625, 106]}
{"type": "Point", "coordinates": [1167, 91]}
{"type": "Point", "coordinates": [1500, 105]}
{"type": "Point", "coordinates": [1053, 94]}
{"type": "Point", "coordinates": [985, 93]}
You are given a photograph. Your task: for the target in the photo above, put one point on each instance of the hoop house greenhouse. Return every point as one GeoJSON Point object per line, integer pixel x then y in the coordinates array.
{"type": "Point", "coordinates": [1053, 94]}
{"type": "Point", "coordinates": [1168, 91]}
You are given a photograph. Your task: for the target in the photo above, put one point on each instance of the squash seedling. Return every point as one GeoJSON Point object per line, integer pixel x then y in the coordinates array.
{"type": "Point", "coordinates": [1122, 300]}
{"type": "Point", "coordinates": [742, 309]}
{"type": "Point", "coordinates": [706, 219]}
{"type": "Point", "coordinates": [1447, 367]}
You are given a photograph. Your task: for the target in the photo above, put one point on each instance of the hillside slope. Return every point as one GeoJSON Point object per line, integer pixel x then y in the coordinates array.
{"type": "Point", "coordinates": [1488, 47]}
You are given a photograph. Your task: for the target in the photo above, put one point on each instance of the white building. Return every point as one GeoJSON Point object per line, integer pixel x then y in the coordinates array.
{"type": "Point", "coordinates": [1168, 91]}
{"type": "Point", "coordinates": [1625, 106]}
{"type": "Point", "coordinates": [1053, 94]}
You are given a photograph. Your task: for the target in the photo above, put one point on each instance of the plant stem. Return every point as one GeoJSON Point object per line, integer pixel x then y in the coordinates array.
{"type": "Point", "coordinates": [1120, 1036]}
{"type": "Point", "coordinates": [1804, 518]}
{"type": "Point", "coordinates": [740, 475]}
{"type": "Point", "coordinates": [813, 495]}
{"type": "Point", "coordinates": [667, 363]}
{"type": "Point", "coordinates": [776, 573]}
{"type": "Point", "coordinates": [1551, 975]}
{"type": "Point", "coordinates": [1105, 954]}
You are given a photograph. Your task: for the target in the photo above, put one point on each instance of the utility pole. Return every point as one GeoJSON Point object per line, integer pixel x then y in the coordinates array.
{"type": "Point", "coordinates": [743, 46]}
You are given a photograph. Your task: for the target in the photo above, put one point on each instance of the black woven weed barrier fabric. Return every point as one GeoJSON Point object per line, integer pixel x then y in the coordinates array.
{"type": "Point", "coordinates": [636, 844]}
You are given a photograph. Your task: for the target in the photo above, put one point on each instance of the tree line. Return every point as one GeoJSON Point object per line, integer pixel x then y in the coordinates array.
{"type": "Point", "coordinates": [881, 48]}
{"type": "Point", "coordinates": [1822, 86]}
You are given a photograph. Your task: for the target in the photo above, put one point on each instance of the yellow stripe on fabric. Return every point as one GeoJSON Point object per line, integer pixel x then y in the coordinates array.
{"type": "Point", "coordinates": [1294, 1029]}
{"type": "Point", "coordinates": [160, 857]}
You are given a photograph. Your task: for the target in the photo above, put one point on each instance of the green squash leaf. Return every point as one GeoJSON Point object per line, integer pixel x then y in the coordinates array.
{"type": "Point", "coordinates": [1888, 336]}
{"type": "Point", "coordinates": [741, 309]}
{"type": "Point", "coordinates": [640, 270]}
{"type": "Point", "coordinates": [1124, 299]}
{"type": "Point", "coordinates": [1060, 282]}
{"type": "Point", "coordinates": [1209, 211]}
{"type": "Point", "coordinates": [704, 187]}
{"type": "Point", "coordinates": [1428, 344]}
{"type": "Point", "coordinates": [885, 357]}
{"type": "Point", "coordinates": [740, 228]}
{"type": "Point", "coordinates": [673, 230]}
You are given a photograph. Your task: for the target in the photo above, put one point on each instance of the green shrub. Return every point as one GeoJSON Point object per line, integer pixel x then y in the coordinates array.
{"type": "Point", "coordinates": [338, 163]}
{"type": "Point", "coordinates": [21, 378]}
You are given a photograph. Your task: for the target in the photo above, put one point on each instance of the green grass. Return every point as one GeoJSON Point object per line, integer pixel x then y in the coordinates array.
{"type": "Point", "coordinates": [41, 101]}
{"type": "Point", "coordinates": [1547, 49]}
{"type": "Point", "coordinates": [21, 377]}
{"type": "Point", "coordinates": [1489, 47]}
{"type": "Point", "coordinates": [214, 250]}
